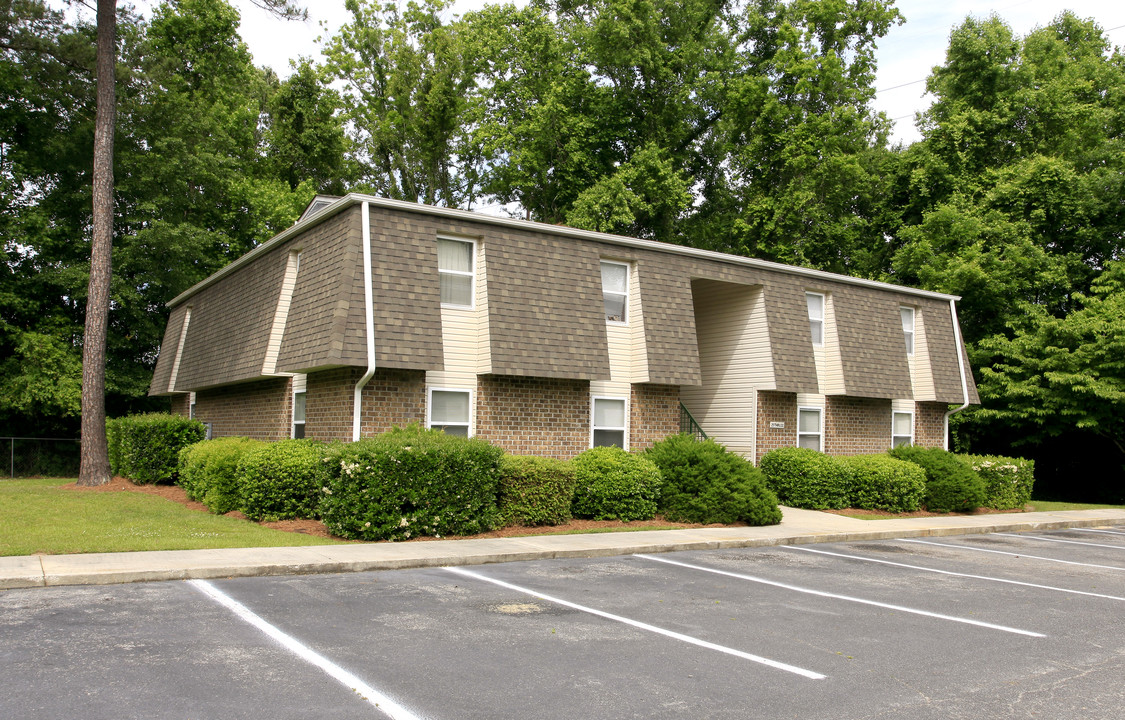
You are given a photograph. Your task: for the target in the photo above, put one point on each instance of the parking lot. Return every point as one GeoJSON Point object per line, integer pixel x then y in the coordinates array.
{"type": "Point", "coordinates": [974, 626]}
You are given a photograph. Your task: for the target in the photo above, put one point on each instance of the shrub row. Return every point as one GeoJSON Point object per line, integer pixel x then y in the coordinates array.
{"type": "Point", "coordinates": [1008, 481]}
{"type": "Point", "coordinates": [146, 448]}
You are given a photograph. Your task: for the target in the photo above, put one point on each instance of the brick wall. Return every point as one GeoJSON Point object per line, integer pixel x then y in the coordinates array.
{"type": "Point", "coordinates": [855, 426]}
{"type": "Point", "coordinates": [534, 416]}
{"type": "Point", "coordinates": [181, 404]}
{"type": "Point", "coordinates": [929, 428]}
{"type": "Point", "coordinates": [390, 398]}
{"type": "Point", "coordinates": [654, 414]}
{"type": "Point", "coordinates": [259, 410]}
{"type": "Point", "coordinates": [775, 407]}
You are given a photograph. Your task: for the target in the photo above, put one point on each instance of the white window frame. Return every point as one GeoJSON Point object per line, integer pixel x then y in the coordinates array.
{"type": "Point", "coordinates": [909, 438]}
{"type": "Point", "coordinates": [430, 406]}
{"type": "Point", "coordinates": [293, 423]}
{"type": "Point", "coordinates": [909, 335]}
{"type": "Point", "coordinates": [624, 430]}
{"type": "Point", "coordinates": [823, 308]}
{"type": "Point", "coordinates": [471, 274]}
{"type": "Point", "coordinates": [820, 433]}
{"type": "Point", "coordinates": [191, 406]}
{"type": "Point", "coordinates": [624, 295]}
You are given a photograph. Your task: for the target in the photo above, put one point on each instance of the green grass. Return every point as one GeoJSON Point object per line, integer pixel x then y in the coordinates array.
{"type": "Point", "coordinates": [1051, 505]}
{"type": "Point", "coordinates": [40, 516]}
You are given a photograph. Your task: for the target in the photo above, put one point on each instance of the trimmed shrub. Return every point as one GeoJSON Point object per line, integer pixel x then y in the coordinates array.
{"type": "Point", "coordinates": [113, 443]}
{"type": "Point", "coordinates": [534, 490]}
{"type": "Point", "coordinates": [148, 446]}
{"type": "Point", "coordinates": [282, 480]}
{"type": "Point", "coordinates": [411, 482]}
{"type": "Point", "coordinates": [804, 478]}
{"type": "Point", "coordinates": [209, 471]}
{"type": "Point", "coordinates": [615, 485]}
{"type": "Point", "coordinates": [951, 485]}
{"type": "Point", "coordinates": [880, 482]}
{"type": "Point", "coordinates": [1008, 480]}
{"type": "Point", "coordinates": [703, 482]}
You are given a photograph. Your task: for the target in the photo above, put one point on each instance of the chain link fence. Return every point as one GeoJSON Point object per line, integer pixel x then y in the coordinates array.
{"type": "Point", "coordinates": [40, 457]}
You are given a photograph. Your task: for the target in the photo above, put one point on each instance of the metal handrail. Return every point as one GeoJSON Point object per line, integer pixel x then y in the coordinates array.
{"type": "Point", "coordinates": [689, 425]}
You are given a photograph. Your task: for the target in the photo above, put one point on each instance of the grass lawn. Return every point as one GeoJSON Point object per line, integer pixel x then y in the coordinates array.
{"type": "Point", "coordinates": [1051, 505]}
{"type": "Point", "coordinates": [40, 516]}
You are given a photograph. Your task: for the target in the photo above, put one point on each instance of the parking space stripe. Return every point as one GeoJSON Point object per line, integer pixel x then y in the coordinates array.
{"type": "Point", "coordinates": [955, 574]}
{"type": "Point", "coordinates": [848, 598]}
{"type": "Point", "coordinates": [642, 626]}
{"type": "Point", "coordinates": [1012, 554]}
{"type": "Point", "coordinates": [1096, 530]}
{"type": "Point", "coordinates": [347, 679]}
{"type": "Point", "coordinates": [1060, 540]}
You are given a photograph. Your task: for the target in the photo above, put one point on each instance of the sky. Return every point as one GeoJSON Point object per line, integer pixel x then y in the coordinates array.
{"type": "Point", "coordinates": [906, 54]}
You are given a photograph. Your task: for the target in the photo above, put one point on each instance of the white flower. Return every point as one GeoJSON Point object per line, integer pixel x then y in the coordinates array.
{"type": "Point", "coordinates": [403, 522]}
{"type": "Point", "coordinates": [367, 524]}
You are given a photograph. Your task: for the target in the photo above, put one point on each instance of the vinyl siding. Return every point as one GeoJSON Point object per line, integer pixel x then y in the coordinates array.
{"type": "Point", "coordinates": [923, 376]}
{"type": "Point", "coordinates": [830, 368]}
{"type": "Point", "coordinates": [269, 367]}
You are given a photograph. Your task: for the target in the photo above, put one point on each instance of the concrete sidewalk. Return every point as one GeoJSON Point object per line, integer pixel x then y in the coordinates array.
{"type": "Point", "coordinates": [797, 527]}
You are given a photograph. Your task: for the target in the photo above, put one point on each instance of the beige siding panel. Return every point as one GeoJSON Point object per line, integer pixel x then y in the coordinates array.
{"type": "Point", "coordinates": [459, 338]}
{"type": "Point", "coordinates": [169, 352]}
{"type": "Point", "coordinates": [638, 345]}
{"type": "Point", "coordinates": [830, 367]}
{"type": "Point", "coordinates": [269, 367]}
{"type": "Point", "coordinates": [810, 400]}
{"type": "Point", "coordinates": [923, 373]}
{"type": "Point", "coordinates": [619, 340]}
{"type": "Point", "coordinates": [484, 342]}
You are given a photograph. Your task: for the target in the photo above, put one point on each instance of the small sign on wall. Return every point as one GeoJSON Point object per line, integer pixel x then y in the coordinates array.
{"type": "Point", "coordinates": [775, 425]}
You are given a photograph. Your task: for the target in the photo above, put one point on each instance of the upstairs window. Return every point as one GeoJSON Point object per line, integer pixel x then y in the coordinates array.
{"type": "Point", "coordinates": [815, 301]}
{"type": "Point", "coordinates": [449, 411]}
{"type": "Point", "coordinates": [809, 433]}
{"type": "Point", "coordinates": [907, 314]}
{"type": "Point", "coordinates": [608, 427]}
{"type": "Point", "coordinates": [455, 268]}
{"type": "Point", "coordinates": [902, 429]}
{"type": "Point", "coordinates": [298, 415]}
{"type": "Point", "coordinates": [615, 291]}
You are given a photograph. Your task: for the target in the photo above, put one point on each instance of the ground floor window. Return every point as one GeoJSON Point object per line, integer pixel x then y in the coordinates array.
{"type": "Point", "coordinates": [607, 426]}
{"type": "Point", "coordinates": [809, 432]}
{"type": "Point", "coordinates": [299, 415]}
{"type": "Point", "coordinates": [902, 428]}
{"type": "Point", "coordinates": [449, 411]}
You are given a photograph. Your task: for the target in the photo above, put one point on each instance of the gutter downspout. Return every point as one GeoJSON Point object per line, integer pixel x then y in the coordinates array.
{"type": "Point", "coordinates": [369, 319]}
{"type": "Point", "coordinates": [961, 368]}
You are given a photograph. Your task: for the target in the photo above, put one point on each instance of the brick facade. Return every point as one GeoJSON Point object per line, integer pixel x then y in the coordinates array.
{"type": "Point", "coordinates": [259, 410]}
{"type": "Point", "coordinates": [856, 426]}
{"type": "Point", "coordinates": [929, 424]}
{"type": "Point", "coordinates": [181, 404]}
{"type": "Point", "coordinates": [534, 416]}
{"type": "Point", "coordinates": [775, 407]}
{"type": "Point", "coordinates": [654, 414]}
{"type": "Point", "coordinates": [390, 398]}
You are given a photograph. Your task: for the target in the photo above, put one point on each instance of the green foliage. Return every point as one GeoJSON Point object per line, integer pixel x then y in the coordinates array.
{"type": "Point", "coordinates": [951, 484]}
{"type": "Point", "coordinates": [534, 490]}
{"type": "Point", "coordinates": [703, 482]}
{"type": "Point", "coordinates": [282, 480]}
{"type": "Point", "coordinates": [147, 447]}
{"type": "Point", "coordinates": [884, 483]}
{"type": "Point", "coordinates": [411, 482]}
{"type": "Point", "coordinates": [808, 479]}
{"type": "Point", "coordinates": [615, 485]}
{"type": "Point", "coordinates": [208, 471]}
{"type": "Point", "coordinates": [1008, 480]}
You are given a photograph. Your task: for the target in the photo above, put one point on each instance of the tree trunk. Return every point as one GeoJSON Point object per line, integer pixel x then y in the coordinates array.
{"type": "Point", "coordinates": [94, 468]}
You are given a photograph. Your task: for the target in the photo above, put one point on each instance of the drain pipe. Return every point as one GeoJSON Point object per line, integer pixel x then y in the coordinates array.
{"type": "Point", "coordinates": [961, 367]}
{"type": "Point", "coordinates": [369, 320]}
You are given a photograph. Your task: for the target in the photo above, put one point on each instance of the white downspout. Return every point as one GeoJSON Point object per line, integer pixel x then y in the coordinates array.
{"type": "Point", "coordinates": [961, 367]}
{"type": "Point", "coordinates": [369, 320]}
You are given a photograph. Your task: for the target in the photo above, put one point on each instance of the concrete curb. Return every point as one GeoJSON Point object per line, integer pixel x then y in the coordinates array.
{"type": "Point", "coordinates": [113, 568]}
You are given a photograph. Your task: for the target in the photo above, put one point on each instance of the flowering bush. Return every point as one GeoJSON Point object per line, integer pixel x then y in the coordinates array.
{"type": "Point", "coordinates": [1009, 480]}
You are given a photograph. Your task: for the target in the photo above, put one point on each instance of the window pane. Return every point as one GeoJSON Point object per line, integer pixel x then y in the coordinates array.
{"type": "Point", "coordinates": [809, 421]}
{"type": "Point", "coordinates": [816, 328]}
{"type": "Point", "coordinates": [909, 343]}
{"type": "Point", "coordinates": [615, 278]}
{"type": "Point", "coordinates": [455, 255]}
{"type": "Point", "coordinates": [812, 442]}
{"type": "Point", "coordinates": [456, 290]}
{"type": "Point", "coordinates": [449, 407]}
{"type": "Point", "coordinates": [816, 306]}
{"type": "Point", "coordinates": [298, 431]}
{"type": "Point", "coordinates": [458, 430]}
{"type": "Point", "coordinates": [605, 438]}
{"type": "Point", "coordinates": [299, 408]}
{"type": "Point", "coordinates": [907, 319]}
{"type": "Point", "coordinates": [900, 441]}
{"type": "Point", "coordinates": [609, 413]}
{"type": "Point", "coordinates": [614, 307]}
{"type": "Point", "coordinates": [902, 424]}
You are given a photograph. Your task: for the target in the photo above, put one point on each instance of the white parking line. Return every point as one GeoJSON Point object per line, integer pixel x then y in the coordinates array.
{"type": "Point", "coordinates": [955, 574]}
{"type": "Point", "coordinates": [848, 598]}
{"type": "Point", "coordinates": [1096, 530]}
{"type": "Point", "coordinates": [1012, 554]}
{"type": "Point", "coordinates": [348, 680]}
{"type": "Point", "coordinates": [1060, 540]}
{"type": "Point", "coordinates": [642, 626]}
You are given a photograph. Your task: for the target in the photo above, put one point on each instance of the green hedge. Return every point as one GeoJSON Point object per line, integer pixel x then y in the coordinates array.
{"type": "Point", "coordinates": [703, 482]}
{"type": "Point", "coordinates": [615, 485]}
{"type": "Point", "coordinates": [880, 482]}
{"type": "Point", "coordinates": [209, 471]}
{"type": "Point", "coordinates": [806, 478]}
{"type": "Point", "coordinates": [535, 490]}
{"type": "Point", "coordinates": [146, 448]}
{"type": "Point", "coordinates": [951, 484]}
{"type": "Point", "coordinates": [1008, 480]}
{"type": "Point", "coordinates": [283, 480]}
{"type": "Point", "coordinates": [411, 482]}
